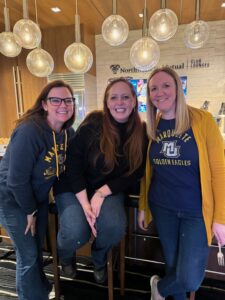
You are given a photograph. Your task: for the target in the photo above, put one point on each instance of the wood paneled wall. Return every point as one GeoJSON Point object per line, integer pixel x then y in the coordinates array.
{"type": "Point", "coordinates": [56, 40]}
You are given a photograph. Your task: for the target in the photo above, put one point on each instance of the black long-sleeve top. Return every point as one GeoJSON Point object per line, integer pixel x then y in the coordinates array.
{"type": "Point", "coordinates": [81, 173]}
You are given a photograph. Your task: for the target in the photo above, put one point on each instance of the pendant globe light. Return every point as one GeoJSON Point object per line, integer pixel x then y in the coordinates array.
{"type": "Point", "coordinates": [163, 23]}
{"type": "Point", "coordinates": [78, 57]}
{"type": "Point", "coordinates": [39, 62]}
{"type": "Point", "coordinates": [27, 32]}
{"type": "Point", "coordinates": [8, 44]}
{"type": "Point", "coordinates": [196, 33]}
{"type": "Point", "coordinates": [115, 28]}
{"type": "Point", "coordinates": [145, 52]}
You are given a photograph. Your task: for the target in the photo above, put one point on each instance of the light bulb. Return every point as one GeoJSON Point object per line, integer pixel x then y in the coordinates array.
{"type": "Point", "coordinates": [115, 30]}
{"type": "Point", "coordinates": [40, 63]}
{"type": "Point", "coordinates": [144, 54]}
{"type": "Point", "coordinates": [163, 24]}
{"type": "Point", "coordinates": [196, 34]}
{"type": "Point", "coordinates": [78, 58]}
{"type": "Point", "coordinates": [8, 45]}
{"type": "Point", "coordinates": [27, 33]}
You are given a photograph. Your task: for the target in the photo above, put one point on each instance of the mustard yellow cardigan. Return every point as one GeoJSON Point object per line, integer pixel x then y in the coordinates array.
{"type": "Point", "coordinates": [212, 171]}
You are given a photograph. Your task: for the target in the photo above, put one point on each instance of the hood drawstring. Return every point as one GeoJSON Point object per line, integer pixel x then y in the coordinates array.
{"type": "Point", "coordinates": [56, 152]}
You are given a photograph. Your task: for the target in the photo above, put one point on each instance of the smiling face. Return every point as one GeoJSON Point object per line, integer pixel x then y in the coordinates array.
{"type": "Point", "coordinates": [58, 115]}
{"type": "Point", "coordinates": [162, 88]}
{"type": "Point", "coordinates": [120, 101]}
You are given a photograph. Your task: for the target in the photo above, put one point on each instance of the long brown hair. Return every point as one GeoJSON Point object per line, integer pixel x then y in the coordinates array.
{"type": "Point", "coordinates": [183, 121]}
{"type": "Point", "coordinates": [37, 113]}
{"type": "Point", "coordinates": [110, 139]}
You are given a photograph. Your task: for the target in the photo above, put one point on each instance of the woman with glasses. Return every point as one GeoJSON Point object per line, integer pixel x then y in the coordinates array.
{"type": "Point", "coordinates": [34, 159]}
{"type": "Point", "coordinates": [105, 158]}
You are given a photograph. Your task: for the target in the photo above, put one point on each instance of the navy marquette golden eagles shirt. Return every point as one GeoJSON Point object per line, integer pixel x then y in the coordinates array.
{"type": "Point", "coordinates": [28, 168]}
{"type": "Point", "coordinates": [175, 183]}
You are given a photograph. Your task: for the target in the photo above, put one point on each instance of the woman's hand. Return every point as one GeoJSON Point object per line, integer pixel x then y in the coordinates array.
{"type": "Point", "coordinates": [219, 232]}
{"type": "Point", "coordinates": [141, 220]}
{"type": "Point", "coordinates": [31, 224]}
{"type": "Point", "coordinates": [90, 216]}
{"type": "Point", "coordinates": [98, 199]}
{"type": "Point", "coordinates": [96, 203]}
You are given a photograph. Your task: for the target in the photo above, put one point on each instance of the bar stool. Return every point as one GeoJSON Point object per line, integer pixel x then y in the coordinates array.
{"type": "Point", "coordinates": [53, 228]}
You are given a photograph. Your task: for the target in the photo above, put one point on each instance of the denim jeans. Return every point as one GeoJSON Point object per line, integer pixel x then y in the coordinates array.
{"type": "Point", "coordinates": [184, 242]}
{"type": "Point", "coordinates": [31, 281]}
{"type": "Point", "coordinates": [74, 230]}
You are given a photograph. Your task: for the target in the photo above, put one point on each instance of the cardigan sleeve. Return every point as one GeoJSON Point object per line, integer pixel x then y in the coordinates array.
{"type": "Point", "coordinates": [144, 188]}
{"type": "Point", "coordinates": [215, 148]}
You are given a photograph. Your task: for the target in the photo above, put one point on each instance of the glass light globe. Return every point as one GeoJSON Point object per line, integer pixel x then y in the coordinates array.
{"type": "Point", "coordinates": [163, 24]}
{"type": "Point", "coordinates": [40, 63]}
{"type": "Point", "coordinates": [27, 33]}
{"type": "Point", "coordinates": [144, 54]}
{"type": "Point", "coordinates": [8, 44]}
{"type": "Point", "coordinates": [78, 58]}
{"type": "Point", "coordinates": [115, 30]}
{"type": "Point", "coordinates": [196, 34]}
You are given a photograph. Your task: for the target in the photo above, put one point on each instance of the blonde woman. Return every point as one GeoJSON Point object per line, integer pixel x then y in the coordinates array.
{"type": "Point", "coordinates": [183, 186]}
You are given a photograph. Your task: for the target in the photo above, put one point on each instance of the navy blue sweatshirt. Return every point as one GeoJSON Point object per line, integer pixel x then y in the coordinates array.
{"type": "Point", "coordinates": [28, 168]}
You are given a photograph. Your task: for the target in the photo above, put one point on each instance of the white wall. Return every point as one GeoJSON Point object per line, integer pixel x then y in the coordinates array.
{"type": "Point", "coordinates": [202, 84]}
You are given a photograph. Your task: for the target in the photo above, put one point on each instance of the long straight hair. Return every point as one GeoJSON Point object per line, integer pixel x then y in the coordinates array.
{"type": "Point", "coordinates": [110, 138]}
{"type": "Point", "coordinates": [182, 115]}
{"type": "Point", "coordinates": [37, 112]}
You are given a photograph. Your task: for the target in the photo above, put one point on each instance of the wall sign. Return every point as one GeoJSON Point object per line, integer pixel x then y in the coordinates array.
{"type": "Point", "coordinates": [189, 64]}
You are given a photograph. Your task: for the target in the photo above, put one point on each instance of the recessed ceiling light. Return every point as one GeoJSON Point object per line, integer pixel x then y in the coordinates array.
{"type": "Point", "coordinates": [223, 4]}
{"type": "Point", "coordinates": [55, 9]}
{"type": "Point", "coordinates": [140, 15]}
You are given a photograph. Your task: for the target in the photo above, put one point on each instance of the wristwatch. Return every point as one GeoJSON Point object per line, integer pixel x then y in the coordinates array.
{"type": "Point", "coordinates": [34, 213]}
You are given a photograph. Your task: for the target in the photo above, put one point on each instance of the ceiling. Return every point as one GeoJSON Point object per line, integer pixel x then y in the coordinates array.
{"type": "Point", "coordinates": [93, 12]}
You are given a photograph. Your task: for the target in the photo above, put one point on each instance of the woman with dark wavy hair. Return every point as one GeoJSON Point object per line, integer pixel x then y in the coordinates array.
{"type": "Point", "coordinates": [34, 159]}
{"type": "Point", "coordinates": [105, 158]}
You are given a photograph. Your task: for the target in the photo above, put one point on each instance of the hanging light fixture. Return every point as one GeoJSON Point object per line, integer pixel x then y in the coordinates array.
{"type": "Point", "coordinates": [145, 52]}
{"type": "Point", "coordinates": [115, 28]}
{"type": "Point", "coordinates": [39, 62]}
{"type": "Point", "coordinates": [78, 57]}
{"type": "Point", "coordinates": [8, 44]}
{"type": "Point", "coordinates": [196, 33]}
{"type": "Point", "coordinates": [27, 33]}
{"type": "Point", "coordinates": [163, 23]}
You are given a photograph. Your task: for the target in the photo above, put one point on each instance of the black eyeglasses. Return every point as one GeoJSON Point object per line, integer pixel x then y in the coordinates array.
{"type": "Point", "coordinates": [55, 101]}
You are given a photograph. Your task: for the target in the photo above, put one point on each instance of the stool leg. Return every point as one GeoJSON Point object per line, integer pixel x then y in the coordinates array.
{"type": "Point", "coordinates": [192, 296]}
{"type": "Point", "coordinates": [110, 275]}
{"type": "Point", "coordinates": [122, 266]}
{"type": "Point", "coordinates": [53, 225]}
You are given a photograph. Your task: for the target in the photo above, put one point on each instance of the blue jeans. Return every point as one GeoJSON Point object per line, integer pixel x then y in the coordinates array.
{"type": "Point", "coordinates": [75, 231]}
{"type": "Point", "coordinates": [31, 281]}
{"type": "Point", "coordinates": [184, 242]}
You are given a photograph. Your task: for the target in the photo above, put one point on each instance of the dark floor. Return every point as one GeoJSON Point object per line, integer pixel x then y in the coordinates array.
{"type": "Point", "coordinates": [84, 288]}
